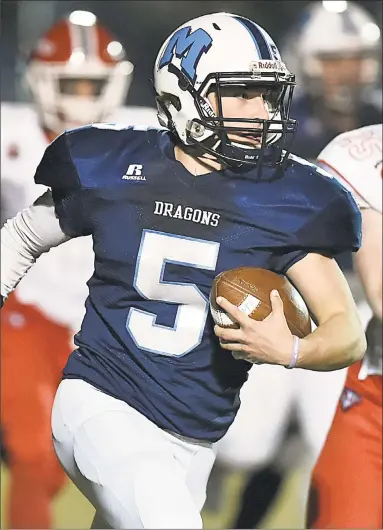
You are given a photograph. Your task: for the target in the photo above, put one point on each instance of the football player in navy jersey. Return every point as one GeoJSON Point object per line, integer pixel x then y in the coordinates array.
{"type": "Point", "coordinates": [152, 384]}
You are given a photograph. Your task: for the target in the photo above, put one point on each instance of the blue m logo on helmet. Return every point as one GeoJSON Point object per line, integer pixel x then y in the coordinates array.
{"type": "Point", "coordinates": [188, 46]}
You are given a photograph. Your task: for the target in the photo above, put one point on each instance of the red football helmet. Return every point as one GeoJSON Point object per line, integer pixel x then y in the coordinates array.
{"type": "Point", "coordinates": [77, 74]}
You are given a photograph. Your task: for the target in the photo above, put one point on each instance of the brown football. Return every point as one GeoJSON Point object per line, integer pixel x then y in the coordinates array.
{"type": "Point", "coordinates": [249, 289]}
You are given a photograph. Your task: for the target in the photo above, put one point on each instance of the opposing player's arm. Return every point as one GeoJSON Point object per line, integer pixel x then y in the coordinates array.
{"type": "Point", "coordinates": [25, 237]}
{"type": "Point", "coordinates": [339, 339]}
{"type": "Point", "coordinates": [368, 259]}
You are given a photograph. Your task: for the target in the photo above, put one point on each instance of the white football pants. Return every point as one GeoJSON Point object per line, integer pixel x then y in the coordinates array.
{"type": "Point", "coordinates": [267, 400]}
{"type": "Point", "coordinates": [135, 474]}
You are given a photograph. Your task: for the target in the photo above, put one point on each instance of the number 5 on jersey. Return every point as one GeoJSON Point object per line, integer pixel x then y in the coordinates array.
{"type": "Point", "coordinates": [156, 250]}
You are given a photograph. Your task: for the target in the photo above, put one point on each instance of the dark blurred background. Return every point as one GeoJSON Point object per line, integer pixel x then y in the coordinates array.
{"type": "Point", "coordinates": [140, 25]}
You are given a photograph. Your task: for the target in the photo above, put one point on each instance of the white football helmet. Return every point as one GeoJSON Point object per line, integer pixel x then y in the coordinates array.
{"type": "Point", "coordinates": [326, 34]}
{"type": "Point", "coordinates": [75, 49]}
{"type": "Point", "coordinates": [211, 52]}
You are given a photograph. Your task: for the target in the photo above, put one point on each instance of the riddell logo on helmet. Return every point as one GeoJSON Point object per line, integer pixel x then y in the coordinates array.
{"type": "Point", "coordinates": [267, 65]}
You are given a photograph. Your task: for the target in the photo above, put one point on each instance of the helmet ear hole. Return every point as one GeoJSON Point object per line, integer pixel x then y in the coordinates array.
{"type": "Point", "coordinates": [170, 99]}
{"type": "Point", "coordinates": [164, 116]}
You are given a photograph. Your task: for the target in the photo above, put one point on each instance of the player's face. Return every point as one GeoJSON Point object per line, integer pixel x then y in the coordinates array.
{"type": "Point", "coordinates": [342, 71]}
{"type": "Point", "coordinates": [80, 90]}
{"type": "Point", "coordinates": [243, 102]}
{"type": "Point", "coordinates": [343, 80]}
{"type": "Point", "coordinates": [88, 88]}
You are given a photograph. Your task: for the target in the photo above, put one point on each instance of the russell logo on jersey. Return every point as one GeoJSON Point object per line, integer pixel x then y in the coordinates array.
{"type": "Point", "coordinates": [134, 172]}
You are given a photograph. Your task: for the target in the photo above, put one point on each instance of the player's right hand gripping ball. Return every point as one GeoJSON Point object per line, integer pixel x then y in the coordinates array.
{"type": "Point", "coordinates": [249, 289]}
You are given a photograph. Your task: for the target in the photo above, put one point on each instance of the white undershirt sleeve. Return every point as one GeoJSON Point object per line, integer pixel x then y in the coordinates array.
{"type": "Point", "coordinates": [25, 237]}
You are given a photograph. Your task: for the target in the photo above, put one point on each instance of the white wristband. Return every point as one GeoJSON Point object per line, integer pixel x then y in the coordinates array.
{"type": "Point", "coordinates": [295, 355]}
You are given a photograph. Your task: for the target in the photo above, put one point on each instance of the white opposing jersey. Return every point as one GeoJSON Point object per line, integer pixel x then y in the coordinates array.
{"type": "Point", "coordinates": [355, 159]}
{"type": "Point", "coordinates": [56, 284]}
{"type": "Point", "coordinates": [23, 143]}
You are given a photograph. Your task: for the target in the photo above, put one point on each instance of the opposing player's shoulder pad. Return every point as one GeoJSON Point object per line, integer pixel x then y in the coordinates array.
{"type": "Point", "coordinates": [16, 116]}
{"type": "Point", "coordinates": [85, 156]}
{"type": "Point", "coordinates": [19, 123]}
{"type": "Point", "coordinates": [141, 116]}
{"type": "Point", "coordinates": [354, 158]}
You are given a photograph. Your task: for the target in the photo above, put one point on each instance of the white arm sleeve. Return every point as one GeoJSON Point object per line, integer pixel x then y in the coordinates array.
{"type": "Point", "coordinates": [25, 237]}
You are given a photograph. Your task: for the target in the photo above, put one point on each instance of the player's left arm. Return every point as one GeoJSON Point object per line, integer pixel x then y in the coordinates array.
{"type": "Point", "coordinates": [339, 339]}
{"type": "Point", "coordinates": [337, 342]}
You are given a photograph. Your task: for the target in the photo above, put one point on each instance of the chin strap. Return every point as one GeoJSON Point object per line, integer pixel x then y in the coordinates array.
{"type": "Point", "coordinates": [210, 147]}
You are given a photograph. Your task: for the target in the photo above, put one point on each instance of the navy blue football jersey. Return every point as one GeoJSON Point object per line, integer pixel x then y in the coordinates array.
{"type": "Point", "coordinates": [160, 236]}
